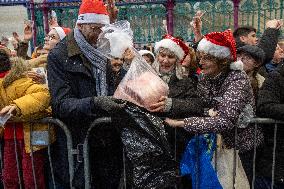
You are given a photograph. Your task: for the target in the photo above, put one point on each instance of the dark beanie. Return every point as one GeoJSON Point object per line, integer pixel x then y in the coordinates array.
{"type": "Point", "coordinates": [5, 64]}
{"type": "Point", "coordinates": [256, 52]}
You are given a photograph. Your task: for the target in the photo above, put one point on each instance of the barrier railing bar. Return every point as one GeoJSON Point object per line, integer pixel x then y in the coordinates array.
{"type": "Point", "coordinates": [86, 149]}
{"type": "Point", "coordinates": [274, 154]}
{"type": "Point", "coordinates": [196, 167]}
{"type": "Point", "coordinates": [17, 156]}
{"type": "Point", "coordinates": [49, 158]}
{"type": "Point", "coordinates": [124, 169]}
{"type": "Point", "coordinates": [254, 155]}
{"type": "Point", "coordinates": [32, 155]}
{"type": "Point", "coordinates": [1, 158]}
{"type": "Point", "coordinates": [264, 121]}
{"type": "Point", "coordinates": [235, 158]}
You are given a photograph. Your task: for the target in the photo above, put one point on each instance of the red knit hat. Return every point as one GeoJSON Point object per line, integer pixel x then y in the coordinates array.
{"type": "Point", "coordinates": [219, 44]}
{"type": "Point", "coordinates": [93, 11]}
{"type": "Point", "coordinates": [62, 32]}
{"type": "Point", "coordinates": [173, 44]}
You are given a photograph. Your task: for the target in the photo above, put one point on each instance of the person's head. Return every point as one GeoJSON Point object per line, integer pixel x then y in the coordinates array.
{"type": "Point", "coordinates": [37, 51]}
{"type": "Point", "coordinates": [5, 63]}
{"type": "Point", "coordinates": [278, 54]}
{"type": "Point", "coordinates": [246, 35]}
{"type": "Point", "coordinates": [190, 59]}
{"type": "Point", "coordinates": [4, 41]}
{"type": "Point", "coordinates": [54, 36]}
{"type": "Point", "coordinates": [252, 57]}
{"type": "Point", "coordinates": [217, 50]}
{"type": "Point", "coordinates": [92, 17]}
{"type": "Point", "coordinates": [190, 62]}
{"type": "Point", "coordinates": [116, 64]}
{"type": "Point", "coordinates": [170, 52]}
{"type": "Point", "coordinates": [148, 56]}
{"type": "Point", "coordinates": [14, 42]}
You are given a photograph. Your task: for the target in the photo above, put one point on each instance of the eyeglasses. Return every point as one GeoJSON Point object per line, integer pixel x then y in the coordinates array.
{"type": "Point", "coordinates": [51, 37]}
{"type": "Point", "coordinates": [96, 26]}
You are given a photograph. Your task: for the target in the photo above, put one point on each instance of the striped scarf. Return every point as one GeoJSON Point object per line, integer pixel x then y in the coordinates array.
{"type": "Point", "coordinates": [98, 61]}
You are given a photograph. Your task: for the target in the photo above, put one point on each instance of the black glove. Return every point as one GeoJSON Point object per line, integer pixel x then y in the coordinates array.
{"type": "Point", "coordinates": [109, 104]}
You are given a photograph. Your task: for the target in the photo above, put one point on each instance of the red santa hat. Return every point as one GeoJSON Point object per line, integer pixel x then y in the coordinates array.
{"type": "Point", "coordinates": [219, 44]}
{"type": "Point", "coordinates": [173, 44]}
{"type": "Point", "coordinates": [93, 11]}
{"type": "Point", "coordinates": [62, 32]}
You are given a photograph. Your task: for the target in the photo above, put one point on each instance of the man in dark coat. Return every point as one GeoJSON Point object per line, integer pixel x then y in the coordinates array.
{"type": "Point", "coordinates": [78, 78]}
{"type": "Point", "coordinates": [271, 104]}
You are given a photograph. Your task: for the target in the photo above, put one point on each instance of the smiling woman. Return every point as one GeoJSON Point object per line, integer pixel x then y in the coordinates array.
{"type": "Point", "coordinates": [226, 93]}
{"type": "Point", "coordinates": [225, 89]}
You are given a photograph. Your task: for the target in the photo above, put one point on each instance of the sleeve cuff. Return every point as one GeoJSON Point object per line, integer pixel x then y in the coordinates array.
{"type": "Point", "coordinates": [169, 104]}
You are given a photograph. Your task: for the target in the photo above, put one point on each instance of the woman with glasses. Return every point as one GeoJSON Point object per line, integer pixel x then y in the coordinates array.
{"type": "Point", "coordinates": [226, 91]}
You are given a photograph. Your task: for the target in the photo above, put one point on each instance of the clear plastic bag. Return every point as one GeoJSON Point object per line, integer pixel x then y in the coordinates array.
{"type": "Point", "coordinates": [141, 85]}
{"type": "Point", "coordinates": [115, 39]}
{"type": "Point", "coordinates": [245, 116]}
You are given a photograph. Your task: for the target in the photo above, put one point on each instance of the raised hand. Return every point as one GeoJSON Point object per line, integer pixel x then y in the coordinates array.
{"type": "Point", "coordinates": [196, 25]}
{"type": "Point", "coordinates": [112, 10]}
{"type": "Point", "coordinates": [276, 24]}
{"type": "Point", "coordinates": [159, 106]}
{"type": "Point", "coordinates": [28, 31]}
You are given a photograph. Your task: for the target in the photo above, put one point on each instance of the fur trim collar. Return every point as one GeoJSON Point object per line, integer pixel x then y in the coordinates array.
{"type": "Point", "coordinates": [18, 71]}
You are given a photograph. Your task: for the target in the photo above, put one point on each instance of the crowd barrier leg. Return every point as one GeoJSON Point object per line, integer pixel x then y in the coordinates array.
{"type": "Point", "coordinates": [17, 157]}
{"type": "Point", "coordinates": [86, 150]}
{"type": "Point", "coordinates": [274, 154]}
{"type": "Point", "coordinates": [59, 123]}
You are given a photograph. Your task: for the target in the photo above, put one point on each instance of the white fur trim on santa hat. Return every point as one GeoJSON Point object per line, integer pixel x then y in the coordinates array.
{"type": "Point", "coordinates": [60, 32]}
{"type": "Point", "coordinates": [93, 18]}
{"type": "Point", "coordinates": [171, 45]}
{"type": "Point", "coordinates": [238, 65]}
{"type": "Point", "coordinates": [143, 52]}
{"type": "Point", "coordinates": [213, 49]}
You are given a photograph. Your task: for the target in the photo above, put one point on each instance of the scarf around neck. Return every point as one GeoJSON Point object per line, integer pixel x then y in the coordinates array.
{"type": "Point", "coordinates": [98, 61]}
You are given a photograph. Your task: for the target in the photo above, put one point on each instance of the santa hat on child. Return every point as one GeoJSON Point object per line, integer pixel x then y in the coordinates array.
{"type": "Point", "coordinates": [219, 44]}
{"type": "Point", "coordinates": [62, 32]}
{"type": "Point", "coordinates": [93, 11]}
{"type": "Point", "coordinates": [173, 44]}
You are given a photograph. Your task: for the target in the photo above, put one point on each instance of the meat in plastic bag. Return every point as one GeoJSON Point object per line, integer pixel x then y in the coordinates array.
{"type": "Point", "coordinates": [141, 85]}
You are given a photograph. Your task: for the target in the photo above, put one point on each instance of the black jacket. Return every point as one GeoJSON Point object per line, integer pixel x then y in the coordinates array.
{"type": "Point", "coordinates": [271, 104]}
{"type": "Point", "coordinates": [72, 87]}
{"type": "Point", "coordinates": [185, 101]}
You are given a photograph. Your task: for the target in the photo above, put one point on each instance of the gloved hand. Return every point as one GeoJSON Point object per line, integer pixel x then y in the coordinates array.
{"type": "Point", "coordinates": [109, 104]}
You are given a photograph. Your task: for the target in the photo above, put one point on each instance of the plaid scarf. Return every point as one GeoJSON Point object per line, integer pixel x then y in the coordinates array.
{"type": "Point", "coordinates": [98, 61]}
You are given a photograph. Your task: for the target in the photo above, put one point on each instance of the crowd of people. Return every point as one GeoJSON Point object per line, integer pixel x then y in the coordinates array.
{"type": "Point", "coordinates": [214, 84]}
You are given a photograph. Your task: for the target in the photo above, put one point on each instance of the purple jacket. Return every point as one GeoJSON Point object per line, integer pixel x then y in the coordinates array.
{"type": "Point", "coordinates": [228, 93]}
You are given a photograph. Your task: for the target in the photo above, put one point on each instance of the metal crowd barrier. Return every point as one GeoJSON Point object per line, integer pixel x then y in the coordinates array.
{"type": "Point", "coordinates": [100, 121]}
{"type": "Point", "coordinates": [50, 122]}
{"type": "Point", "coordinates": [265, 121]}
